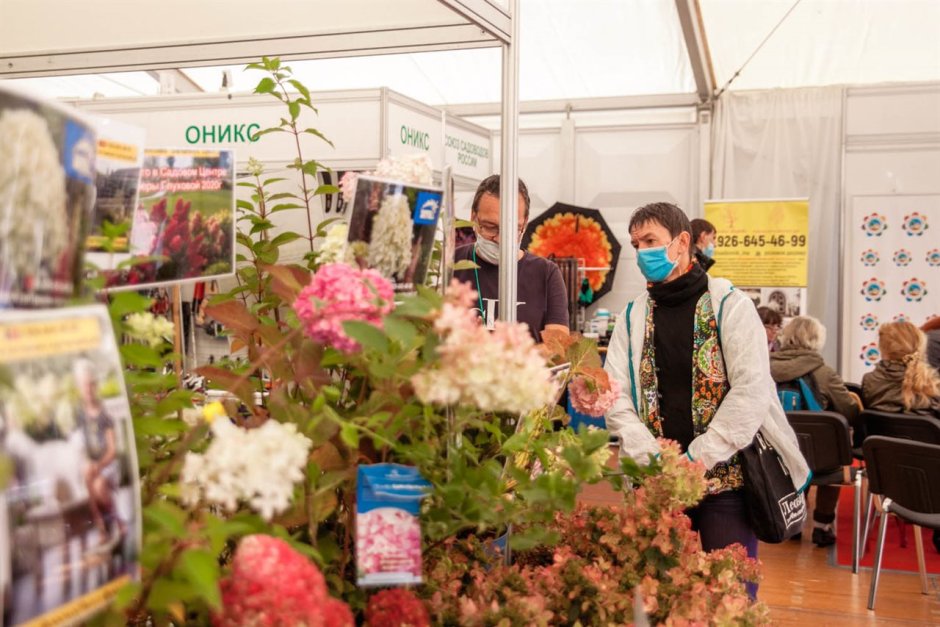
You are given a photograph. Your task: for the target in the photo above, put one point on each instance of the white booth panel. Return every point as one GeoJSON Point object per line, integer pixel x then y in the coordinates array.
{"type": "Point", "coordinates": [618, 170]}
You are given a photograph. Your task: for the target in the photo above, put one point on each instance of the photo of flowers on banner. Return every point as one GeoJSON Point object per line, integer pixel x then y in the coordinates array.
{"type": "Point", "coordinates": [70, 513]}
{"type": "Point", "coordinates": [392, 228]}
{"type": "Point", "coordinates": [47, 190]}
{"type": "Point", "coordinates": [569, 231]}
{"type": "Point", "coordinates": [183, 227]}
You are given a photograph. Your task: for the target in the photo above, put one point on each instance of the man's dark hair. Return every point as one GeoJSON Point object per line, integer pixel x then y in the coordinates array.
{"type": "Point", "coordinates": [663, 213]}
{"type": "Point", "coordinates": [490, 185]}
{"type": "Point", "coordinates": [700, 226]}
{"type": "Point", "coordinates": [769, 317]}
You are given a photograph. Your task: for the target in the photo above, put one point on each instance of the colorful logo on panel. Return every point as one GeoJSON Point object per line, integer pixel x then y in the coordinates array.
{"type": "Point", "coordinates": [870, 354]}
{"type": "Point", "coordinates": [902, 258]}
{"type": "Point", "coordinates": [900, 318]}
{"type": "Point", "coordinates": [933, 257]}
{"type": "Point", "coordinates": [870, 258]}
{"type": "Point", "coordinates": [915, 224]}
{"type": "Point", "coordinates": [914, 290]}
{"type": "Point", "coordinates": [869, 322]}
{"type": "Point", "coordinates": [874, 225]}
{"type": "Point", "coordinates": [873, 290]}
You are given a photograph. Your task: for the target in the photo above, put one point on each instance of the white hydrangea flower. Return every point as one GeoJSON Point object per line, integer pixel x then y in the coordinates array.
{"type": "Point", "coordinates": [333, 249]}
{"type": "Point", "coordinates": [153, 330]}
{"type": "Point", "coordinates": [414, 168]}
{"type": "Point", "coordinates": [390, 249]}
{"type": "Point", "coordinates": [32, 183]}
{"type": "Point", "coordinates": [257, 467]}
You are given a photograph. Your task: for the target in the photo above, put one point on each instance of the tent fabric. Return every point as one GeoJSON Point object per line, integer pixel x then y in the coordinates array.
{"type": "Point", "coordinates": [599, 48]}
{"type": "Point", "coordinates": [776, 144]}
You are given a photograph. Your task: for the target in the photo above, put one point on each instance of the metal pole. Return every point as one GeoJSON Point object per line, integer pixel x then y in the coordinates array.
{"type": "Point", "coordinates": [509, 185]}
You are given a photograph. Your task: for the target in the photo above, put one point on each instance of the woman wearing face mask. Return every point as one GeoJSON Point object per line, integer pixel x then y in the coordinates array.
{"type": "Point", "coordinates": [542, 301]}
{"type": "Point", "coordinates": [691, 356]}
{"type": "Point", "coordinates": [703, 235]}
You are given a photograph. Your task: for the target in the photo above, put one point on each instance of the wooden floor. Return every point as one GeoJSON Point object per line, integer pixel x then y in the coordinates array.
{"type": "Point", "coordinates": [802, 587]}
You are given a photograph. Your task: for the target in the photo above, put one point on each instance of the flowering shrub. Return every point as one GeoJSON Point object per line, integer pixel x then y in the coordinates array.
{"type": "Point", "coordinates": [272, 584]}
{"type": "Point", "coordinates": [397, 607]}
{"type": "Point", "coordinates": [337, 293]}
{"type": "Point", "coordinates": [607, 559]}
{"type": "Point", "coordinates": [335, 375]}
{"type": "Point", "coordinates": [390, 248]}
{"type": "Point", "coordinates": [594, 393]}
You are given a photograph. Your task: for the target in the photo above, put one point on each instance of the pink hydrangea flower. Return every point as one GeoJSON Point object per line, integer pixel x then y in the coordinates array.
{"type": "Point", "coordinates": [339, 292]}
{"type": "Point", "coordinates": [395, 608]}
{"type": "Point", "coordinates": [587, 397]}
{"type": "Point", "coordinates": [388, 540]}
{"type": "Point", "coordinates": [272, 584]}
{"type": "Point", "coordinates": [467, 373]}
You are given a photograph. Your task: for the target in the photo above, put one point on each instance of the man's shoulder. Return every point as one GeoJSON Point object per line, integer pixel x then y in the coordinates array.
{"type": "Point", "coordinates": [535, 263]}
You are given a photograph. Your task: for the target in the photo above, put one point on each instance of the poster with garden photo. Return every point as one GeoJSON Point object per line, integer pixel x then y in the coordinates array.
{"type": "Point", "coordinates": [69, 493]}
{"type": "Point", "coordinates": [117, 168]}
{"type": "Point", "coordinates": [47, 190]}
{"type": "Point", "coordinates": [183, 228]}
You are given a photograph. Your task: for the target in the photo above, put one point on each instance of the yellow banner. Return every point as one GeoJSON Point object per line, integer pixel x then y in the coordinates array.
{"type": "Point", "coordinates": [29, 340]}
{"type": "Point", "coordinates": [761, 243]}
{"type": "Point", "coordinates": [119, 151]}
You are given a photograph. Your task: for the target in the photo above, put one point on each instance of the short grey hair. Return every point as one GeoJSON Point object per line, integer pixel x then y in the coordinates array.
{"type": "Point", "coordinates": [803, 332]}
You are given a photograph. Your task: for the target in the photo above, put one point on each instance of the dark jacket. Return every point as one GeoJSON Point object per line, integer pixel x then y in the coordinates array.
{"type": "Point", "coordinates": [704, 260]}
{"type": "Point", "coordinates": [882, 391]}
{"type": "Point", "coordinates": [933, 348]}
{"type": "Point", "coordinates": [793, 363]}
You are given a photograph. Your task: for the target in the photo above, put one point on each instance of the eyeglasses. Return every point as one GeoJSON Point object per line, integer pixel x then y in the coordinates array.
{"type": "Point", "coordinates": [490, 230]}
{"type": "Point", "coordinates": [772, 327]}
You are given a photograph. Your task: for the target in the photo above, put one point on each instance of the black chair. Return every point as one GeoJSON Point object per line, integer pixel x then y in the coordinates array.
{"type": "Point", "coordinates": [826, 443]}
{"type": "Point", "coordinates": [904, 474]}
{"type": "Point", "coordinates": [856, 389]}
{"type": "Point", "coordinates": [904, 426]}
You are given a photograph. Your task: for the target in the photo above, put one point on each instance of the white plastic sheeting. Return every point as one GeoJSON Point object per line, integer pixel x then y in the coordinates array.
{"type": "Point", "coordinates": [579, 49]}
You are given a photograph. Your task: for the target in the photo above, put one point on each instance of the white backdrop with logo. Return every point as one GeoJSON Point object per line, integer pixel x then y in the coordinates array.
{"type": "Point", "coordinates": [892, 261]}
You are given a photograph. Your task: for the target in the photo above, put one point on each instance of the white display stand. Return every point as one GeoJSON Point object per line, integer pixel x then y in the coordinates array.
{"type": "Point", "coordinates": [364, 125]}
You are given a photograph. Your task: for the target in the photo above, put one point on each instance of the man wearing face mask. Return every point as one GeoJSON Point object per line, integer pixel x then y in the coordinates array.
{"type": "Point", "coordinates": [691, 355]}
{"type": "Point", "coordinates": [703, 236]}
{"type": "Point", "coordinates": [542, 302]}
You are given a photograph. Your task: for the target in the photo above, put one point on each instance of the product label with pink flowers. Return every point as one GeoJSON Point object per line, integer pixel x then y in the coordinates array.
{"type": "Point", "coordinates": [388, 531]}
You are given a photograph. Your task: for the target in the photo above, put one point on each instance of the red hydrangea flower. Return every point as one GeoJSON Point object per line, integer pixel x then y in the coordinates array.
{"type": "Point", "coordinates": [397, 607]}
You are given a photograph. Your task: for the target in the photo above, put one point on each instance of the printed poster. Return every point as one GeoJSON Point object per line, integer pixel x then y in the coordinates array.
{"type": "Point", "coordinates": [183, 228]}
{"type": "Point", "coordinates": [47, 190]}
{"type": "Point", "coordinates": [392, 229]}
{"type": "Point", "coordinates": [892, 271]}
{"type": "Point", "coordinates": [70, 525]}
{"type": "Point", "coordinates": [762, 247]}
{"type": "Point", "coordinates": [120, 155]}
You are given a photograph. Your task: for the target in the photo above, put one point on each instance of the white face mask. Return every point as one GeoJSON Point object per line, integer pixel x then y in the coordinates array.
{"type": "Point", "coordinates": [487, 250]}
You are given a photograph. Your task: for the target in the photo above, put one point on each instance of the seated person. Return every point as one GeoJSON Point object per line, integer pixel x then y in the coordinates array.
{"type": "Point", "coordinates": [773, 322]}
{"type": "Point", "coordinates": [798, 356]}
{"type": "Point", "coordinates": [932, 329]}
{"type": "Point", "coordinates": [902, 382]}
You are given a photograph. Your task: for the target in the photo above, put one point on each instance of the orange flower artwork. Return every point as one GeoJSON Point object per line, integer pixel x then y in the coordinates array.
{"type": "Point", "coordinates": [575, 235]}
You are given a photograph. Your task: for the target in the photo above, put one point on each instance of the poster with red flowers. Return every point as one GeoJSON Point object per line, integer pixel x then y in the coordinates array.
{"type": "Point", "coordinates": [183, 228]}
{"type": "Point", "coordinates": [47, 191]}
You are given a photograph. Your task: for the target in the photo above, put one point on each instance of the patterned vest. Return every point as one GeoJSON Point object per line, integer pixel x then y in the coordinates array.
{"type": "Point", "coordinates": [709, 386]}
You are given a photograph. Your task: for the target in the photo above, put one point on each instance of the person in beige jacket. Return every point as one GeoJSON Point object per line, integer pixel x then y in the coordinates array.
{"type": "Point", "coordinates": [798, 356]}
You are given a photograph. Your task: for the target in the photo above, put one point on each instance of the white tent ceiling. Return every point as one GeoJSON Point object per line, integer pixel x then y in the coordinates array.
{"type": "Point", "coordinates": [575, 49]}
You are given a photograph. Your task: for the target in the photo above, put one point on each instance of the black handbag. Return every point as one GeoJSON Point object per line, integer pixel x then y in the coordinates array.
{"type": "Point", "coordinates": [776, 510]}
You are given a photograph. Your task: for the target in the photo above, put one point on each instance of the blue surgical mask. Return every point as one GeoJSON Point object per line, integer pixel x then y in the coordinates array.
{"type": "Point", "coordinates": [709, 250]}
{"type": "Point", "coordinates": [655, 263]}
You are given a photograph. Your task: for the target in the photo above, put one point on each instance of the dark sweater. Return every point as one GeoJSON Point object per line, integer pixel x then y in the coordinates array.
{"type": "Point", "coordinates": [673, 331]}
